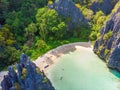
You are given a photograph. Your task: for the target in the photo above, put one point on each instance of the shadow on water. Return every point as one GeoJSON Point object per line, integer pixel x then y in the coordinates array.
{"type": "Point", "coordinates": [115, 72]}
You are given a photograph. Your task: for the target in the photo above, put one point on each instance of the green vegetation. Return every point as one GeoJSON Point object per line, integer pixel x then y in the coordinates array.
{"type": "Point", "coordinates": [38, 71]}
{"type": "Point", "coordinates": [101, 47]}
{"type": "Point", "coordinates": [99, 50]}
{"type": "Point", "coordinates": [88, 13]}
{"type": "Point", "coordinates": [107, 35]}
{"type": "Point", "coordinates": [29, 26]}
{"type": "Point", "coordinates": [49, 24]}
{"type": "Point", "coordinates": [106, 51]}
{"type": "Point", "coordinates": [116, 7]}
{"type": "Point", "coordinates": [83, 2]}
{"type": "Point", "coordinates": [17, 86]}
{"type": "Point", "coordinates": [107, 54]}
{"type": "Point", "coordinates": [45, 80]}
{"type": "Point", "coordinates": [35, 52]}
{"type": "Point", "coordinates": [24, 73]}
{"type": "Point", "coordinates": [100, 1]}
{"type": "Point", "coordinates": [96, 24]}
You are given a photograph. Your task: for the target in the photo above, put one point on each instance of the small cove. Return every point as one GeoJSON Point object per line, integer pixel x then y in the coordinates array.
{"type": "Point", "coordinates": [82, 70]}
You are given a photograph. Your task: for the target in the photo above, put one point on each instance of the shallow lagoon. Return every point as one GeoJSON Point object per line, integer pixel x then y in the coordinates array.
{"type": "Point", "coordinates": [82, 70]}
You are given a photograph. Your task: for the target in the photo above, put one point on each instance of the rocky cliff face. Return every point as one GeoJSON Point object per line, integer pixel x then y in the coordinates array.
{"type": "Point", "coordinates": [67, 9]}
{"type": "Point", "coordinates": [107, 46]}
{"type": "Point", "coordinates": [105, 5]}
{"type": "Point", "coordinates": [26, 77]}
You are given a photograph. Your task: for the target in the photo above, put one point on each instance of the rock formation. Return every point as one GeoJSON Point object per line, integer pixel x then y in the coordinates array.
{"type": "Point", "coordinates": [67, 8]}
{"type": "Point", "coordinates": [107, 46]}
{"type": "Point", "coordinates": [26, 77]}
{"type": "Point", "coordinates": [105, 5]}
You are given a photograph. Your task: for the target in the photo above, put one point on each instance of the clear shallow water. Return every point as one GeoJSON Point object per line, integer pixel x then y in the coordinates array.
{"type": "Point", "coordinates": [82, 70]}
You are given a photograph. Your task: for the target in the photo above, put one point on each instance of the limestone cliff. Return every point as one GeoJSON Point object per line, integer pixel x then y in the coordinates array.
{"type": "Point", "coordinates": [104, 5]}
{"type": "Point", "coordinates": [107, 46]}
{"type": "Point", "coordinates": [26, 77]}
{"type": "Point", "coordinates": [67, 8]}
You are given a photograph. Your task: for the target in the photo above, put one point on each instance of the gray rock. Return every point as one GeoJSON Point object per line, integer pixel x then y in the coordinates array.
{"type": "Point", "coordinates": [114, 60]}
{"type": "Point", "coordinates": [67, 8]}
{"type": "Point", "coordinates": [26, 77]}
{"type": "Point", "coordinates": [106, 6]}
{"type": "Point", "coordinates": [12, 74]}
{"type": "Point", "coordinates": [112, 43]}
{"type": "Point", "coordinates": [6, 83]}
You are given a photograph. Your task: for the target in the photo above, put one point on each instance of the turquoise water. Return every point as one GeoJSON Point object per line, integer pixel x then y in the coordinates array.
{"type": "Point", "coordinates": [82, 70]}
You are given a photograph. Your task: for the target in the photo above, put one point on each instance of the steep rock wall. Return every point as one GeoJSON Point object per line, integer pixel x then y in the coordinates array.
{"type": "Point", "coordinates": [106, 6]}
{"type": "Point", "coordinates": [107, 46]}
{"type": "Point", "coordinates": [67, 8]}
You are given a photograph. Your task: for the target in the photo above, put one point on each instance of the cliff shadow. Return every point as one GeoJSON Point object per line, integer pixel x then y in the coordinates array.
{"type": "Point", "coordinates": [115, 72]}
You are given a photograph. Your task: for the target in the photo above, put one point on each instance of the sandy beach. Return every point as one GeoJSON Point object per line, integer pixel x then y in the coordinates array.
{"type": "Point", "coordinates": [44, 62]}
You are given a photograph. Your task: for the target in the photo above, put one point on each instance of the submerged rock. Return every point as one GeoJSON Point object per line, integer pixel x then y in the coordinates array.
{"type": "Point", "coordinates": [26, 77]}
{"type": "Point", "coordinates": [108, 45]}
{"type": "Point", "coordinates": [106, 6]}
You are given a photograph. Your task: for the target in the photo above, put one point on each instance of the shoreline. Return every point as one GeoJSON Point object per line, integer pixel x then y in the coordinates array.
{"type": "Point", "coordinates": [45, 61]}
{"type": "Point", "coordinates": [49, 58]}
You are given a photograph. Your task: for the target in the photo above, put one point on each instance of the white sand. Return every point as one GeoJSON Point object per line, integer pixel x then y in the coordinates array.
{"type": "Point", "coordinates": [51, 56]}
